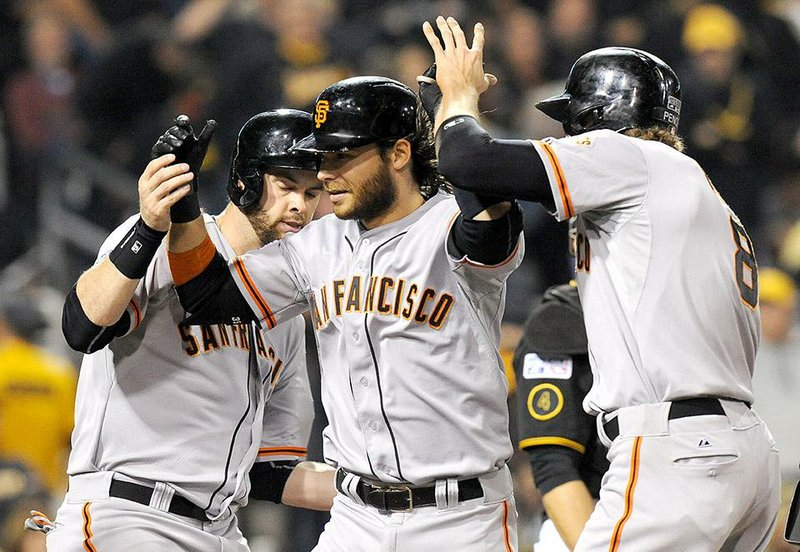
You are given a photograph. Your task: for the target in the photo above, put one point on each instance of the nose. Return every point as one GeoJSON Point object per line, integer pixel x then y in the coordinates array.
{"type": "Point", "coordinates": [325, 175]}
{"type": "Point", "coordinates": [297, 203]}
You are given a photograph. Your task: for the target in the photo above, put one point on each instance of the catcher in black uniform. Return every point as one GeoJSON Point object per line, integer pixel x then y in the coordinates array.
{"type": "Point", "coordinates": [553, 376]}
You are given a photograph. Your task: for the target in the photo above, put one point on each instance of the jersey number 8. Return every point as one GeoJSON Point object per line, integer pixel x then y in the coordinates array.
{"type": "Point", "coordinates": [746, 266]}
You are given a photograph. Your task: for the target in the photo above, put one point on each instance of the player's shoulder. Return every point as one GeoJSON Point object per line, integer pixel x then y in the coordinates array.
{"type": "Point", "coordinates": [317, 229]}
{"type": "Point", "coordinates": [594, 139]}
{"type": "Point", "coordinates": [443, 204]}
{"type": "Point", "coordinates": [288, 335]}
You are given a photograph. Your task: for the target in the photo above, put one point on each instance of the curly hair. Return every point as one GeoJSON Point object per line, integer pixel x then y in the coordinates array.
{"type": "Point", "coordinates": [658, 134]}
{"type": "Point", "coordinates": [424, 165]}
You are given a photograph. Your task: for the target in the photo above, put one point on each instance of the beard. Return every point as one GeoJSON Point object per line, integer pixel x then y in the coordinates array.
{"type": "Point", "coordinates": [264, 227]}
{"type": "Point", "coordinates": [370, 199]}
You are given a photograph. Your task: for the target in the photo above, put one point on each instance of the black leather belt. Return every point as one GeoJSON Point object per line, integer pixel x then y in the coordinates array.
{"type": "Point", "coordinates": [404, 498]}
{"type": "Point", "coordinates": [702, 406]}
{"type": "Point", "coordinates": [142, 494]}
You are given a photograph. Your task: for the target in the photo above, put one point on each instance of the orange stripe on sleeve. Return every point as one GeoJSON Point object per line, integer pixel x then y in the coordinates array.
{"type": "Point", "coordinates": [137, 314]}
{"type": "Point", "coordinates": [282, 451]}
{"type": "Point", "coordinates": [185, 266]}
{"type": "Point", "coordinates": [616, 537]}
{"type": "Point", "coordinates": [260, 302]}
{"type": "Point", "coordinates": [563, 189]}
{"type": "Point", "coordinates": [88, 545]}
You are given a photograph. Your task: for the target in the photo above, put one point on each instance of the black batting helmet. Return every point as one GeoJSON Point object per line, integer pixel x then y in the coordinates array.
{"type": "Point", "coordinates": [359, 111]}
{"type": "Point", "coordinates": [617, 88]}
{"type": "Point", "coordinates": [264, 142]}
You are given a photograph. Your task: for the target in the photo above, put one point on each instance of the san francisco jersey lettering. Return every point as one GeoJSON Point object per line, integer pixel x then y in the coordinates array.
{"type": "Point", "coordinates": [382, 295]}
{"type": "Point", "coordinates": [393, 311]}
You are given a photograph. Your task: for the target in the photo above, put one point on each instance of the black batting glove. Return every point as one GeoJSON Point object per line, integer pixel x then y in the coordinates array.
{"type": "Point", "coordinates": [188, 148]}
{"type": "Point", "coordinates": [429, 92]}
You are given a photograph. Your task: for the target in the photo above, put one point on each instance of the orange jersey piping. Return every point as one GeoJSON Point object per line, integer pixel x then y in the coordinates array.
{"type": "Point", "coordinates": [563, 189]}
{"type": "Point", "coordinates": [260, 302]}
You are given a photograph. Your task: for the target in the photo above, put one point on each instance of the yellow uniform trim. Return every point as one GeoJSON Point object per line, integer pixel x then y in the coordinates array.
{"type": "Point", "coordinates": [560, 441]}
{"type": "Point", "coordinates": [547, 415]}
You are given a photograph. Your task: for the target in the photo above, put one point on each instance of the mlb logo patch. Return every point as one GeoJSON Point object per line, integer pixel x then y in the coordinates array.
{"type": "Point", "coordinates": [535, 367]}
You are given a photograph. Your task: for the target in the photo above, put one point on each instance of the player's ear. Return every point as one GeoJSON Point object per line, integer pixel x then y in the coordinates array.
{"type": "Point", "coordinates": [400, 154]}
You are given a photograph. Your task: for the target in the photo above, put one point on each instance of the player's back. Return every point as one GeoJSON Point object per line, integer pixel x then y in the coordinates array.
{"type": "Point", "coordinates": [680, 265]}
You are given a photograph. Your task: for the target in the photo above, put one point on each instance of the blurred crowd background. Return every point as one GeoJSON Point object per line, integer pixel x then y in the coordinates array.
{"type": "Point", "coordinates": [86, 86]}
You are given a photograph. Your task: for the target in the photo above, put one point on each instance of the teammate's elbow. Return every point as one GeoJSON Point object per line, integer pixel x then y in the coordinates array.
{"type": "Point", "coordinates": [83, 335]}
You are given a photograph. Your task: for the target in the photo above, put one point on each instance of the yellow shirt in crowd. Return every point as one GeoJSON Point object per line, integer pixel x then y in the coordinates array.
{"type": "Point", "coordinates": [37, 397]}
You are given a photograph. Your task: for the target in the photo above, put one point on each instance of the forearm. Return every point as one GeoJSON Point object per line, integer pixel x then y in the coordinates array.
{"type": "Point", "coordinates": [569, 506]}
{"type": "Point", "coordinates": [185, 237]}
{"type": "Point", "coordinates": [507, 169]}
{"type": "Point", "coordinates": [310, 485]}
{"type": "Point", "coordinates": [453, 105]}
{"type": "Point", "coordinates": [104, 293]}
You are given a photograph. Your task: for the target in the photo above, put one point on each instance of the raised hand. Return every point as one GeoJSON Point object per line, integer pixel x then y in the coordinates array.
{"type": "Point", "coordinates": [162, 184]}
{"type": "Point", "coordinates": [459, 67]}
{"type": "Point", "coordinates": [429, 92]}
{"type": "Point", "coordinates": [180, 141]}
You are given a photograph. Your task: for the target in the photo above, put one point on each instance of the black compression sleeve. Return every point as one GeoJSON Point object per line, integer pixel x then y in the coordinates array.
{"type": "Point", "coordinates": [82, 334]}
{"type": "Point", "coordinates": [213, 298]}
{"type": "Point", "coordinates": [471, 159]}
{"type": "Point", "coordinates": [472, 204]}
{"type": "Point", "coordinates": [268, 479]}
{"type": "Point", "coordinates": [553, 465]}
{"type": "Point", "coordinates": [486, 241]}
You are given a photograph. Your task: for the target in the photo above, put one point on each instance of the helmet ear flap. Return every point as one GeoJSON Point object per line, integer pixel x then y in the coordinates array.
{"type": "Point", "coordinates": [587, 119]}
{"type": "Point", "coordinates": [245, 189]}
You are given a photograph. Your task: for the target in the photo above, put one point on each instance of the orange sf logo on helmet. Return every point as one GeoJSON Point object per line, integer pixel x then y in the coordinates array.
{"type": "Point", "coordinates": [321, 112]}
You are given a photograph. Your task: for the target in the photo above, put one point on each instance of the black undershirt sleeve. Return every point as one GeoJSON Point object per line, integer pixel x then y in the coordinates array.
{"type": "Point", "coordinates": [554, 465]}
{"type": "Point", "coordinates": [489, 242]}
{"type": "Point", "coordinates": [268, 479]}
{"type": "Point", "coordinates": [212, 297]}
{"type": "Point", "coordinates": [82, 334]}
{"type": "Point", "coordinates": [471, 159]}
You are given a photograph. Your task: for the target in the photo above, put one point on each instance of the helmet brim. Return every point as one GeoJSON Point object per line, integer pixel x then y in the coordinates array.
{"type": "Point", "coordinates": [555, 107]}
{"type": "Point", "coordinates": [333, 143]}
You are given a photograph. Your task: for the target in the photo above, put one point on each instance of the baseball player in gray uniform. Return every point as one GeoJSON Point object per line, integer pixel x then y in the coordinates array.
{"type": "Point", "coordinates": [170, 418]}
{"type": "Point", "coordinates": [668, 281]}
{"type": "Point", "coordinates": [406, 286]}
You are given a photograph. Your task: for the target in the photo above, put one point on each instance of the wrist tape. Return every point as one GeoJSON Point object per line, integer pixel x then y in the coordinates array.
{"type": "Point", "coordinates": [133, 254]}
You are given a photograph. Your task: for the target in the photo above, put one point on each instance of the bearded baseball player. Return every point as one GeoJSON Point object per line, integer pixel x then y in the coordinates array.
{"type": "Point", "coordinates": [406, 286]}
{"type": "Point", "coordinates": [170, 418]}
{"type": "Point", "coordinates": [668, 281]}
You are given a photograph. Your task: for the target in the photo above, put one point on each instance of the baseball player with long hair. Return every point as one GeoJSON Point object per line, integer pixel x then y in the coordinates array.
{"type": "Point", "coordinates": [176, 424]}
{"type": "Point", "coordinates": [406, 286]}
{"type": "Point", "coordinates": [668, 281]}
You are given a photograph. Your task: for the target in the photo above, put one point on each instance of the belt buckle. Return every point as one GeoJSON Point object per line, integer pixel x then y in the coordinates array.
{"type": "Point", "coordinates": [392, 490]}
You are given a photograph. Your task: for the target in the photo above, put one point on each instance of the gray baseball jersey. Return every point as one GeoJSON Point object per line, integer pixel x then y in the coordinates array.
{"type": "Point", "coordinates": [668, 315]}
{"type": "Point", "coordinates": [413, 385]}
{"type": "Point", "coordinates": [183, 405]}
